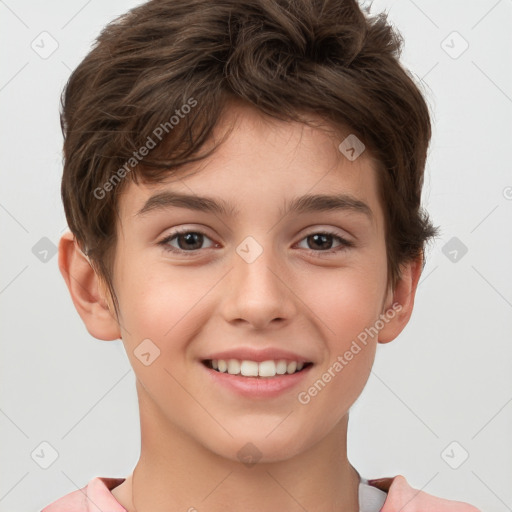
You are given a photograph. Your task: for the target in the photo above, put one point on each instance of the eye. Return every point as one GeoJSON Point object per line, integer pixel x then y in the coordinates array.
{"type": "Point", "coordinates": [187, 241]}
{"type": "Point", "coordinates": [323, 242]}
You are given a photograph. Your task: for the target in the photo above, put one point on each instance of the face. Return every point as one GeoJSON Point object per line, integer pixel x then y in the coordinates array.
{"type": "Point", "coordinates": [255, 279]}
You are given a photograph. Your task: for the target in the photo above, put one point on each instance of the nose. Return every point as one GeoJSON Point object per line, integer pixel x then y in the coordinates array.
{"type": "Point", "coordinates": [257, 293]}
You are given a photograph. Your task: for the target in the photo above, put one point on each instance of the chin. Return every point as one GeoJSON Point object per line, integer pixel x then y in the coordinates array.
{"type": "Point", "coordinates": [257, 445]}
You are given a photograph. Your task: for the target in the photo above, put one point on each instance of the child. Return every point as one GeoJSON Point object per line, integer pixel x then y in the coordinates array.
{"type": "Point", "coordinates": [262, 129]}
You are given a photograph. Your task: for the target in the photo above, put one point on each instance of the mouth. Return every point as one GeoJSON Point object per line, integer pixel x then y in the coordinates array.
{"type": "Point", "coordinates": [261, 370]}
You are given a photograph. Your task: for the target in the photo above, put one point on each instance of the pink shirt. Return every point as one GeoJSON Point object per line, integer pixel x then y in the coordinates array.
{"type": "Point", "coordinates": [397, 494]}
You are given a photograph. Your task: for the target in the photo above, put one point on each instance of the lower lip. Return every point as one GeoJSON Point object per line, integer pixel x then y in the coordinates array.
{"type": "Point", "coordinates": [258, 387]}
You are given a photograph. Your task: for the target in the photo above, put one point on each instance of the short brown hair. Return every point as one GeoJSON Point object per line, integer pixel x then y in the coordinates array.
{"type": "Point", "coordinates": [283, 57]}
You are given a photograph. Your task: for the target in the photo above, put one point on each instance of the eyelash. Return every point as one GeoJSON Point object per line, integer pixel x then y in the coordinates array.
{"type": "Point", "coordinates": [345, 244]}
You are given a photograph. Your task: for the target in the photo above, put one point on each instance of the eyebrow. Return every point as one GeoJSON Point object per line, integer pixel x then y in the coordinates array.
{"type": "Point", "coordinates": [305, 204]}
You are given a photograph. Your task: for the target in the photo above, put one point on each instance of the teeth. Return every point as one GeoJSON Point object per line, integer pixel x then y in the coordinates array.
{"type": "Point", "coordinates": [254, 369]}
{"type": "Point", "coordinates": [281, 367]}
{"type": "Point", "coordinates": [249, 369]}
{"type": "Point", "coordinates": [267, 369]}
{"type": "Point", "coordinates": [233, 367]}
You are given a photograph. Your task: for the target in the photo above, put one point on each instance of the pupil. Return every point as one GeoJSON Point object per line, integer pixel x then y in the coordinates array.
{"type": "Point", "coordinates": [322, 237]}
{"type": "Point", "coordinates": [189, 237]}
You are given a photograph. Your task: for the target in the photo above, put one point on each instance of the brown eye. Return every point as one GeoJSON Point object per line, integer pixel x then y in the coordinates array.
{"type": "Point", "coordinates": [320, 241]}
{"type": "Point", "coordinates": [323, 242]}
{"type": "Point", "coordinates": [189, 240]}
{"type": "Point", "coordinates": [186, 241]}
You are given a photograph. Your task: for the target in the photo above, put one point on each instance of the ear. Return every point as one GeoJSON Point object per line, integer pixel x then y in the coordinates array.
{"type": "Point", "coordinates": [400, 302]}
{"type": "Point", "coordinates": [88, 293]}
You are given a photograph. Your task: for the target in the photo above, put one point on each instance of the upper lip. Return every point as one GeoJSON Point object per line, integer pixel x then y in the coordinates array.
{"type": "Point", "coordinates": [258, 355]}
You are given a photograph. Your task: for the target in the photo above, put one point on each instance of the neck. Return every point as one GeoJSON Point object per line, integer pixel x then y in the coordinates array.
{"type": "Point", "coordinates": [174, 472]}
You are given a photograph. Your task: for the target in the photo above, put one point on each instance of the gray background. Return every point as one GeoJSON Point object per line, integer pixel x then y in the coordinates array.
{"type": "Point", "coordinates": [440, 392]}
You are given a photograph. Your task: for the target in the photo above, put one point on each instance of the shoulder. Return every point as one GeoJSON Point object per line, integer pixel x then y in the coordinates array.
{"type": "Point", "coordinates": [96, 495]}
{"type": "Point", "coordinates": [401, 496]}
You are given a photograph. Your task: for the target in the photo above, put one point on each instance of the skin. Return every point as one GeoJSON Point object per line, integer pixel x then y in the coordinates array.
{"type": "Point", "coordinates": [293, 296]}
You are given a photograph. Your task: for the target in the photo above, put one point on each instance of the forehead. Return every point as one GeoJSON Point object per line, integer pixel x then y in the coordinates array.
{"type": "Point", "coordinates": [264, 162]}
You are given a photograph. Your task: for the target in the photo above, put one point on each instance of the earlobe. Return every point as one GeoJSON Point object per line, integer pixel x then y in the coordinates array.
{"type": "Point", "coordinates": [84, 286]}
{"type": "Point", "coordinates": [398, 310]}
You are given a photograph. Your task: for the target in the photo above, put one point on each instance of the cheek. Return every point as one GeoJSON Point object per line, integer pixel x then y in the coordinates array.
{"type": "Point", "coordinates": [345, 300]}
{"type": "Point", "coordinates": [347, 306]}
{"type": "Point", "coordinates": [157, 300]}
{"type": "Point", "coordinates": [161, 308]}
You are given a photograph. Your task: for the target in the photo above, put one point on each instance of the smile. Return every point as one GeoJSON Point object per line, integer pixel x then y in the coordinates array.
{"type": "Point", "coordinates": [248, 368]}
